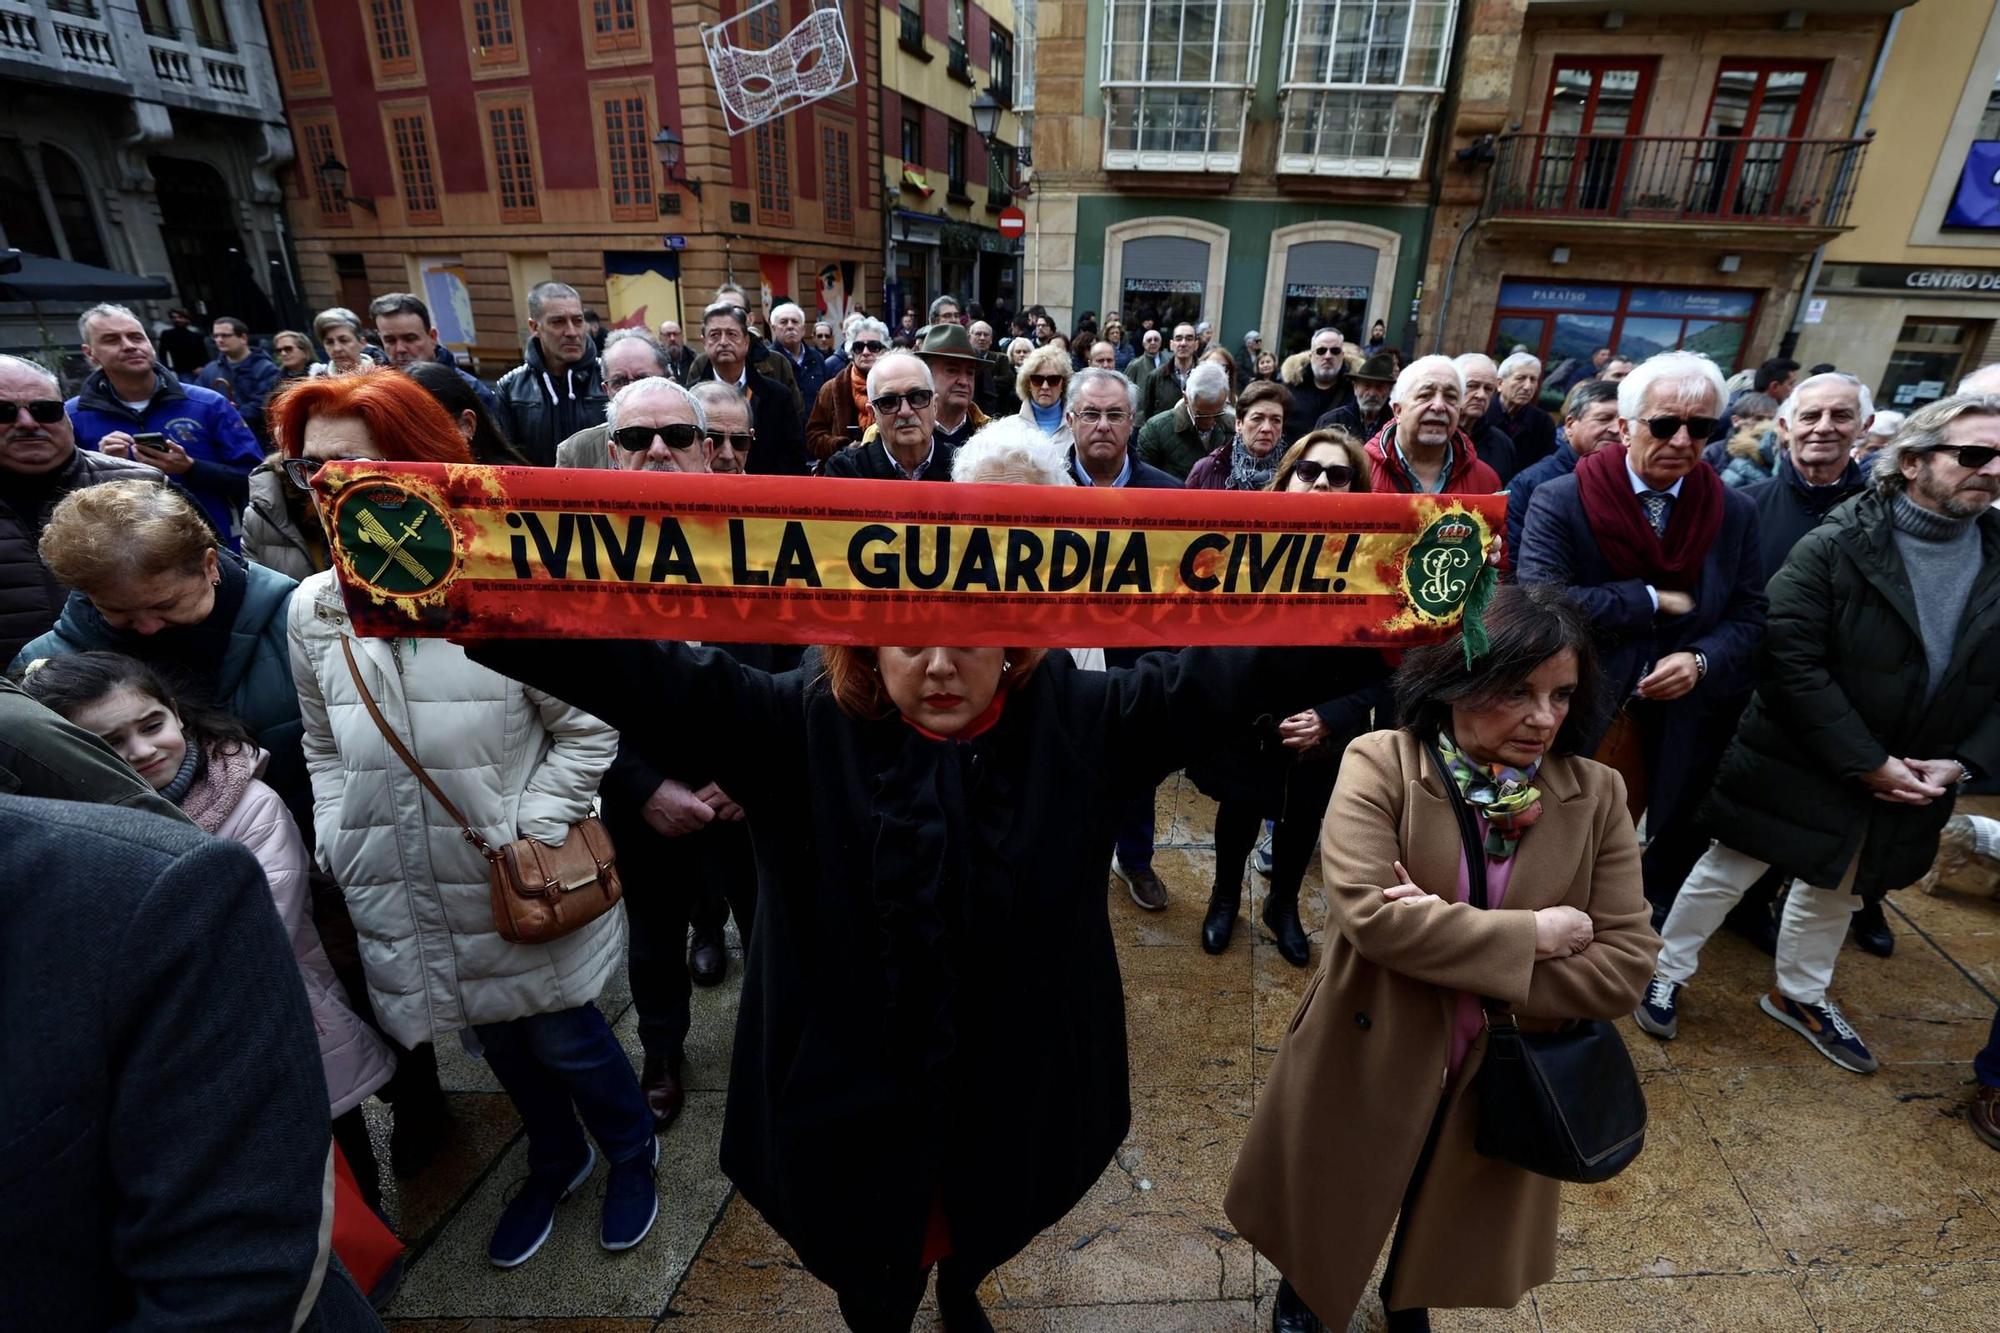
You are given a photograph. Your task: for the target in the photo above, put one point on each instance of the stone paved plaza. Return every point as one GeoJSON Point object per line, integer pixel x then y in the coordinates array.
{"type": "Point", "coordinates": [1776, 1191]}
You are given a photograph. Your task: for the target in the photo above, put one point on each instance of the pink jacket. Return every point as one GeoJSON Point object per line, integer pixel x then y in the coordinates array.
{"type": "Point", "coordinates": [355, 1060]}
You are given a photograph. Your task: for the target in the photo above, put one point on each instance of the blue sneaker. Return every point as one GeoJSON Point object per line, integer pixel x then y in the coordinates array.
{"type": "Point", "coordinates": [631, 1202]}
{"type": "Point", "coordinates": [1825, 1027]}
{"type": "Point", "coordinates": [531, 1214]}
{"type": "Point", "coordinates": [1657, 1013]}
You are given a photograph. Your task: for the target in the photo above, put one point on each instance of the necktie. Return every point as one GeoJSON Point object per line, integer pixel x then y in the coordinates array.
{"type": "Point", "coordinates": [1657, 504]}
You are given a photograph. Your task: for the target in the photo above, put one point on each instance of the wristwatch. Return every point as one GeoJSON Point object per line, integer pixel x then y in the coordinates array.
{"type": "Point", "coordinates": [1700, 666]}
{"type": "Point", "coordinates": [1964, 774]}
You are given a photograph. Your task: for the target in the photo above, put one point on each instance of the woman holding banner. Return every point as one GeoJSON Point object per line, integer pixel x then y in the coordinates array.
{"type": "Point", "coordinates": [1391, 1032]}
{"type": "Point", "coordinates": [930, 1061]}
{"type": "Point", "coordinates": [1283, 767]}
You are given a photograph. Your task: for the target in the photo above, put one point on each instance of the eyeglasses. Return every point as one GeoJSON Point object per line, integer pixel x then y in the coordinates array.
{"type": "Point", "coordinates": [1091, 416]}
{"type": "Point", "coordinates": [639, 439]}
{"type": "Point", "coordinates": [1665, 428]}
{"type": "Point", "coordinates": [1047, 381]}
{"type": "Point", "coordinates": [870, 346]}
{"type": "Point", "coordinates": [301, 471]}
{"type": "Point", "coordinates": [48, 411]}
{"type": "Point", "coordinates": [919, 399]}
{"type": "Point", "coordinates": [1336, 474]}
{"type": "Point", "coordinates": [1970, 456]}
{"type": "Point", "coordinates": [740, 441]}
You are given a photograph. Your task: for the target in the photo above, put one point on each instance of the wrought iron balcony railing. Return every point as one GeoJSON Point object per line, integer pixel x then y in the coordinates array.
{"type": "Point", "coordinates": [1710, 180]}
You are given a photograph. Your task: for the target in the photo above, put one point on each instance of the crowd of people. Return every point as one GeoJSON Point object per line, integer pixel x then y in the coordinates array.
{"type": "Point", "coordinates": [1746, 653]}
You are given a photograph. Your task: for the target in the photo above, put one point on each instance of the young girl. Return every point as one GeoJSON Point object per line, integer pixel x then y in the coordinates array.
{"type": "Point", "coordinates": [205, 763]}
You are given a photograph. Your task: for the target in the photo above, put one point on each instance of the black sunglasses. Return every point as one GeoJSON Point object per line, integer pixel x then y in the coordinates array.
{"type": "Point", "coordinates": [300, 471]}
{"type": "Point", "coordinates": [891, 402]}
{"type": "Point", "coordinates": [1970, 456]}
{"type": "Point", "coordinates": [1665, 428]}
{"type": "Point", "coordinates": [48, 411]}
{"type": "Point", "coordinates": [638, 439]}
{"type": "Point", "coordinates": [740, 441]}
{"type": "Point", "coordinates": [1047, 381]}
{"type": "Point", "coordinates": [870, 346]}
{"type": "Point", "coordinates": [1309, 471]}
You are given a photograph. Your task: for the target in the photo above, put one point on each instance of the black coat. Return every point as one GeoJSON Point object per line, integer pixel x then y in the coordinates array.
{"type": "Point", "coordinates": [1310, 402]}
{"type": "Point", "coordinates": [163, 1116]}
{"type": "Point", "coordinates": [931, 999]}
{"type": "Point", "coordinates": [1348, 417]}
{"type": "Point", "coordinates": [871, 462]}
{"type": "Point", "coordinates": [30, 598]}
{"type": "Point", "coordinates": [1256, 767]}
{"type": "Point", "coordinates": [1787, 508]}
{"type": "Point", "coordinates": [534, 423]}
{"type": "Point", "coordinates": [1840, 688]}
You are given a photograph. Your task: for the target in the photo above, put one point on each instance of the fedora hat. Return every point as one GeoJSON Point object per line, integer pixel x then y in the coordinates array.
{"type": "Point", "coordinates": [950, 341]}
{"type": "Point", "coordinates": [1380, 368]}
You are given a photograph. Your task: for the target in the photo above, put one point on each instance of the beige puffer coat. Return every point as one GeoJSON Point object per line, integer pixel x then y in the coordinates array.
{"type": "Point", "coordinates": [516, 762]}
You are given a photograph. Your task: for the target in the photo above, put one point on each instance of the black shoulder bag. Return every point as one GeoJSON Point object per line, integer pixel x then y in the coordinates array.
{"type": "Point", "coordinates": [1565, 1104]}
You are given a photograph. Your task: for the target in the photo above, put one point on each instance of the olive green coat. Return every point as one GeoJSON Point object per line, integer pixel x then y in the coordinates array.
{"type": "Point", "coordinates": [1840, 685]}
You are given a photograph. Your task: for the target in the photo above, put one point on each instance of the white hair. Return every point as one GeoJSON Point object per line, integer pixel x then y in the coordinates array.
{"type": "Point", "coordinates": [1671, 370]}
{"type": "Point", "coordinates": [1012, 444]}
{"type": "Point", "coordinates": [1886, 424]}
{"type": "Point", "coordinates": [1422, 367]}
{"type": "Point", "coordinates": [1985, 380]}
{"type": "Point", "coordinates": [792, 306]}
{"type": "Point", "coordinates": [621, 400]}
{"type": "Point", "coordinates": [1518, 361]}
{"type": "Point", "coordinates": [99, 311]}
{"type": "Point", "coordinates": [1467, 362]}
{"type": "Point", "coordinates": [1090, 375]}
{"type": "Point", "coordinates": [1208, 382]}
{"type": "Point", "coordinates": [889, 359]}
{"type": "Point", "coordinates": [1863, 400]}
{"type": "Point", "coordinates": [860, 328]}
{"type": "Point", "coordinates": [20, 365]}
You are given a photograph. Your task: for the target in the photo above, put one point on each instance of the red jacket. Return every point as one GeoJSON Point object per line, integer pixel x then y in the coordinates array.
{"type": "Point", "coordinates": [1468, 476]}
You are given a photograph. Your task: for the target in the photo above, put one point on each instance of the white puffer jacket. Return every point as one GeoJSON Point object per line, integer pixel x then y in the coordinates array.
{"type": "Point", "coordinates": [516, 762]}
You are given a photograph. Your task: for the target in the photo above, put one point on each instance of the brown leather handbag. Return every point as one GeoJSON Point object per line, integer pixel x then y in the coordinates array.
{"type": "Point", "coordinates": [540, 893]}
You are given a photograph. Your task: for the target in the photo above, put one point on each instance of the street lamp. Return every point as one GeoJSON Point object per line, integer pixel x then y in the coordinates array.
{"type": "Point", "coordinates": [986, 123]}
{"type": "Point", "coordinates": [667, 148]}
{"type": "Point", "coordinates": [334, 172]}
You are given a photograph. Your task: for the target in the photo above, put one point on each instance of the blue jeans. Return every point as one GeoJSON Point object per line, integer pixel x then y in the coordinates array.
{"type": "Point", "coordinates": [1134, 844]}
{"type": "Point", "coordinates": [1986, 1064]}
{"type": "Point", "coordinates": [558, 1066]}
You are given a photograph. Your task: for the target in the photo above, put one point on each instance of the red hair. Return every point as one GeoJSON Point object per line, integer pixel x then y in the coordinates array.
{"type": "Point", "coordinates": [408, 424]}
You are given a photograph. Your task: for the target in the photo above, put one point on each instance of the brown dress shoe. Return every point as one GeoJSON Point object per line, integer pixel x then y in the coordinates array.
{"type": "Point", "coordinates": [660, 1081]}
{"type": "Point", "coordinates": [1984, 1115]}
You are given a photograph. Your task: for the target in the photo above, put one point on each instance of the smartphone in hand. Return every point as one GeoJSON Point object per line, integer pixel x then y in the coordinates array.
{"type": "Point", "coordinates": [152, 442]}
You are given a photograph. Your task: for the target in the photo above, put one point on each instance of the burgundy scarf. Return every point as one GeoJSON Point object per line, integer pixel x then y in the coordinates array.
{"type": "Point", "coordinates": [1618, 521]}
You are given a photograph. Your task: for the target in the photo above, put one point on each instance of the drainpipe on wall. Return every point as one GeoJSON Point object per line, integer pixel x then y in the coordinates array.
{"type": "Point", "coordinates": [1797, 323]}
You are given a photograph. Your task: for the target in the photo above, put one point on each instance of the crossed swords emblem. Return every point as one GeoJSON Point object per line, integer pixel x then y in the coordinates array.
{"type": "Point", "coordinates": [372, 532]}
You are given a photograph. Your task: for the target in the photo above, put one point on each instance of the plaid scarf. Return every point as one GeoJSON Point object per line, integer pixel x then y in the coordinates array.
{"type": "Point", "coordinates": [1502, 794]}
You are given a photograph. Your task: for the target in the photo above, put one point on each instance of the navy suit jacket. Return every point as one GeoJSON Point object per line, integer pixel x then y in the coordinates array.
{"type": "Point", "coordinates": [1727, 622]}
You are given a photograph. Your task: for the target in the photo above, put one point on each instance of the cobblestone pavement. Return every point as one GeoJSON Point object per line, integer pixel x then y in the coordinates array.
{"type": "Point", "coordinates": [1776, 1192]}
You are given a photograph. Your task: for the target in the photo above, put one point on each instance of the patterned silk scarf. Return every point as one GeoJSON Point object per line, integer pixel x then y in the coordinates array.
{"type": "Point", "coordinates": [1504, 795]}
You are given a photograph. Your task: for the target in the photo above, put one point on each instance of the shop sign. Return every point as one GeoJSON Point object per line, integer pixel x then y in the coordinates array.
{"type": "Point", "coordinates": [1692, 303]}
{"type": "Point", "coordinates": [1546, 295]}
{"type": "Point", "coordinates": [1946, 281]}
{"type": "Point", "coordinates": [1169, 286]}
{"type": "Point", "coordinates": [1325, 292]}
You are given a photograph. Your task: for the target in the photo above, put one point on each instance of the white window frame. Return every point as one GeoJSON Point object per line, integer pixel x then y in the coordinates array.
{"type": "Point", "coordinates": [1143, 159]}
{"type": "Point", "coordinates": [1292, 98]}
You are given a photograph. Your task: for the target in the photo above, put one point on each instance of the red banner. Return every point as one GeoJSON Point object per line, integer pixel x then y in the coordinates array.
{"type": "Point", "coordinates": [424, 549]}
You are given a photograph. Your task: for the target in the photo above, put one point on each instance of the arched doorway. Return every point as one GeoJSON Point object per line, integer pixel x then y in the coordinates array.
{"type": "Point", "coordinates": [211, 267]}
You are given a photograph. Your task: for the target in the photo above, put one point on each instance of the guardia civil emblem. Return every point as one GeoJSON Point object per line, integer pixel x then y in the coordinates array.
{"type": "Point", "coordinates": [1443, 565]}
{"type": "Point", "coordinates": [394, 541]}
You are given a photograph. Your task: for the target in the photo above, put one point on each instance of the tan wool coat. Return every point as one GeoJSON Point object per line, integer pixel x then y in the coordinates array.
{"type": "Point", "coordinates": [1361, 1073]}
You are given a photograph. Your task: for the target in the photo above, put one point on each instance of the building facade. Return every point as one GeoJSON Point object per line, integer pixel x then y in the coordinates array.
{"type": "Point", "coordinates": [489, 145]}
{"type": "Point", "coordinates": [1257, 165]}
{"type": "Point", "coordinates": [1648, 175]}
{"type": "Point", "coordinates": [144, 136]}
{"type": "Point", "coordinates": [944, 185]}
{"type": "Point", "coordinates": [1910, 299]}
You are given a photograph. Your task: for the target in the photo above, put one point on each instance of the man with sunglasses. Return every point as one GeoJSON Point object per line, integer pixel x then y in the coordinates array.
{"type": "Point", "coordinates": [1319, 387]}
{"type": "Point", "coordinates": [1877, 698]}
{"type": "Point", "coordinates": [725, 334]}
{"type": "Point", "coordinates": [729, 430]}
{"type": "Point", "coordinates": [905, 446]}
{"type": "Point", "coordinates": [1665, 561]}
{"type": "Point", "coordinates": [39, 465]}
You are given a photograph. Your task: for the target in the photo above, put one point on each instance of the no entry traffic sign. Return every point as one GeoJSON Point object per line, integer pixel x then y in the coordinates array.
{"type": "Point", "coordinates": [1013, 222]}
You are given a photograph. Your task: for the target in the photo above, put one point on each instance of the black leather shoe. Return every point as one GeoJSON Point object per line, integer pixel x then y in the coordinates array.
{"type": "Point", "coordinates": [1290, 1315]}
{"type": "Point", "coordinates": [1871, 931]}
{"type": "Point", "coordinates": [708, 961]}
{"type": "Point", "coordinates": [1281, 915]}
{"type": "Point", "coordinates": [1220, 923]}
{"type": "Point", "coordinates": [660, 1082]}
